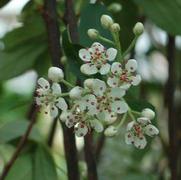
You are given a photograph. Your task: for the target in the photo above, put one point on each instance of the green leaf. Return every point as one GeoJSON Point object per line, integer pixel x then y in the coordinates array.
{"type": "Point", "coordinates": [4, 2]}
{"type": "Point", "coordinates": [12, 130]}
{"type": "Point", "coordinates": [22, 169]}
{"type": "Point", "coordinates": [71, 51]}
{"type": "Point", "coordinates": [17, 62]}
{"type": "Point", "coordinates": [44, 165]}
{"type": "Point", "coordinates": [90, 18]}
{"type": "Point", "coordinates": [164, 13]}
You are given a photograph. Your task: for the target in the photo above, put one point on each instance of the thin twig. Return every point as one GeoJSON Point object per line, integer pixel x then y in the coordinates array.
{"type": "Point", "coordinates": [56, 53]}
{"type": "Point", "coordinates": [70, 20]}
{"type": "Point", "coordinates": [172, 126]}
{"type": "Point", "coordinates": [89, 157]}
{"type": "Point", "coordinates": [20, 146]}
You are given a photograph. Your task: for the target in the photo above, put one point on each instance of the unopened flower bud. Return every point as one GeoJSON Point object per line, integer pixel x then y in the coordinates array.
{"type": "Point", "coordinates": [148, 113]}
{"type": "Point", "coordinates": [63, 59]}
{"type": "Point", "coordinates": [115, 7]}
{"type": "Point", "coordinates": [106, 21]}
{"type": "Point", "coordinates": [76, 92]}
{"type": "Point", "coordinates": [93, 33]}
{"type": "Point", "coordinates": [115, 27]}
{"type": "Point", "coordinates": [111, 131]}
{"type": "Point", "coordinates": [88, 83]}
{"type": "Point", "coordinates": [55, 74]}
{"type": "Point", "coordinates": [138, 29]}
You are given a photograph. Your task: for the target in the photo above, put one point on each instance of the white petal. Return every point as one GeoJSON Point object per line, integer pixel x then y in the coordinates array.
{"type": "Point", "coordinates": [44, 83]}
{"type": "Point", "coordinates": [91, 104]}
{"type": "Point", "coordinates": [105, 68]}
{"type": "Point", "coordinates": [108, 117]}
{"type": "Point", "coordinates": [140, 142]}
{"type": "Point", "coordinates": [80, 103]}
{"type": "Point", "coordinates": [97, 125]}
{"type": "Point", "coordinates": [88, 69]}
{"type": "Point", "coordinates": [116, 68]}
{"type": "Point", "coordinates": [99, 87]}
{"type": "Point", "coordinates": [97, 47]}
{"type": "Point", "coordinates": [131, 65]}
{"type": "Point", "coordinates": [113, 81]}
{"type": "Point", "coordinates": [136, 80]}
{"type": "Point", "coordinates": [119, 107]}
{"type": "Point", "coordinates": [85, 55]}
{"type": "Point", "coordinates": [130, 125]}
{"type": "Point", "coordinates": [111, 54]}
{"type": "Point", "coordinates": [56, 89]}
{"type": "Point", "coordinates": [39, 101]}
{"type": "Point", "coordinates": [129, 138]}
{"type": "Point", "coordinates": [53, 111]}
{"type": "Point", "coordinates": [143, 120]}
{"type": "Point", "coordinates": [110, 131]}
{"type": "Point", "coordinates": [149, 113]}
{"type": "Point", "coordinates": [64, 116]}
{"type": "Point", "coordinates": [117, 92]}
{"type": "Point", "coordinates": [61, 104]}
{"type": "Point", "coordinates": [151, 130]}
{"type": "Point", "coordinates": [125, 86]}
{"type": "Point", "coordinates": [81, 130]}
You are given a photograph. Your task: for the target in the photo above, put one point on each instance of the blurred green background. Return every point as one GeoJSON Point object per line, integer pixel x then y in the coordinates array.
{"type": "Point", "coordinates": [24, 56]}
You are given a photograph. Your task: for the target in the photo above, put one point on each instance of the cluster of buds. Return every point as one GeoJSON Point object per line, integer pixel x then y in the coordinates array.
{"type": "Point", "coordinates": [99, 103]}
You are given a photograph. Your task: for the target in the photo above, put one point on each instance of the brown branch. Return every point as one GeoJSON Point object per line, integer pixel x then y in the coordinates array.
{"type": "Point", "coordinates": [20, 145]}
{"type": "Point", "coordinates": [99, 146]}
{"type": "Point", "coordinates": [172, 126]}
{"type": "Point", "coordinates": [71, 21]}
{"type": "Point", "coordinates": [55, 51]}
{"type": "Point", "coordinates": [89, 157]}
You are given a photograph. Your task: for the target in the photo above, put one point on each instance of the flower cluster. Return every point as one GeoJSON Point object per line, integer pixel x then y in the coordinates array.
{"type": "Point", "coordinates": [136, 130]}
{"type": "Point", "coordinates": [100, 102]}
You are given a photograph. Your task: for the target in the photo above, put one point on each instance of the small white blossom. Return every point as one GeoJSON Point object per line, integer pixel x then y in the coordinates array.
{"type": "Point", "coordinates": [96, 59]}
{"type": "Point", "coordinates": [50, 96]}
{"type": "Point", "coordinates": [124, 77]}
{"type": "Point", "coordinates": [108, 99]}
{"type": "Point", "coordinates": [136, 131]}
{"type": "Point", "coordinates": [55, 74]}
{"type": "Point", "coordinates": [81, 121]}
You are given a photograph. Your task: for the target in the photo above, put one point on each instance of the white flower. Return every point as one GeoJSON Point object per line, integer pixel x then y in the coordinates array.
{"type": "Point", "coordinates": [150, 114]}
{"type": "Point", "coordinates": [106, 21]}
{"type": "Point", "coordinates": [136, 131]}
{"type": "Point", "coordinates": [55, 74]}
{"type": "Point", "coordinates": [126, 77]}
{"type": "Point", "coordinates": [81, 121]}
{"type": "Point", "coordinates": [110, 131]}
{"type": "Point", "coordinates": [93, 1]}
{"type": "Point", "coordinates": [76, 92]}
{"type": "Point", "coordinates": [86, 103]}
{"type": "Point", "coordinates": [96, 59]}
{"type": "Point", "coordinates": [50, 96]}
{"type": "Point", "coordinates": [108, 99]}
